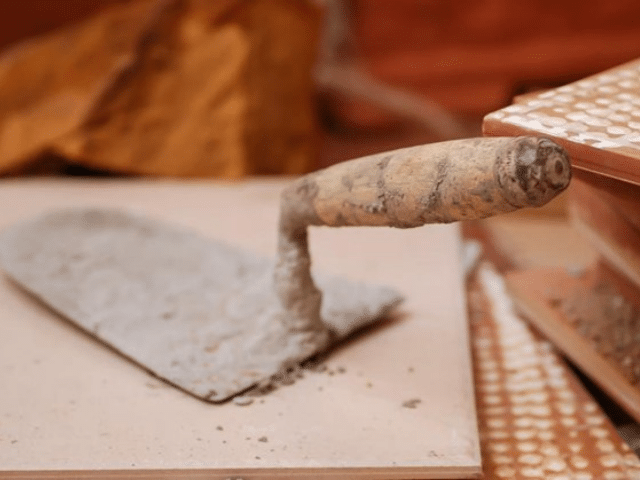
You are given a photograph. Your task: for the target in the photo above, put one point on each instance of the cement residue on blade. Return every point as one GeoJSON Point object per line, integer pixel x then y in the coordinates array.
{"type": "Point", "coordinates": [198, 313]}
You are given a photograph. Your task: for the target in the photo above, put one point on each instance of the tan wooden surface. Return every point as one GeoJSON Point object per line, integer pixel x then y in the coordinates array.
{"type": "Point", "coordinates": [538, 241]}
{"type": "Point", "coordinates": [71, 407]}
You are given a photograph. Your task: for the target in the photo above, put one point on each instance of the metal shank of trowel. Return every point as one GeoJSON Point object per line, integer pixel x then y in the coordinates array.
{"type": "Point", "coordinates": [435, 183]}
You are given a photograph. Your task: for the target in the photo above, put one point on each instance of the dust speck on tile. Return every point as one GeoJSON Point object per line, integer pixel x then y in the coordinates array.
{"type": "Point", "coordinates": [411, 403]}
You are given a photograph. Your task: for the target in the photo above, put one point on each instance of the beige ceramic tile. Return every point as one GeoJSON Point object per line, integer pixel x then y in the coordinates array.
{"type": "Point", "coordinates": [70, 404]}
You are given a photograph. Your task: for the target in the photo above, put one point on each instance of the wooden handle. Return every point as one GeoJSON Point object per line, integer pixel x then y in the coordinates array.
{"type": "Point", "coordinates": [435, 183]}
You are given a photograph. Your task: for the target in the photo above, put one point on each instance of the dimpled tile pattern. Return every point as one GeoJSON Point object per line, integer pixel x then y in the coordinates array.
{"type": "Point", "coordinates": [535, 418]}
{"type": "Point", "coordinates": [597, 119]}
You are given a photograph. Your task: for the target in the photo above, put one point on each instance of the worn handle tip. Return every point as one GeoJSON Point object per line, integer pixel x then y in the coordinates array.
{"type": "Point", "coordinates": [532, 171]}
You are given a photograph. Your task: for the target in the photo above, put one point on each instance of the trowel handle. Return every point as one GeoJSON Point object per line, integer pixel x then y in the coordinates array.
{"type": "Point", "coordinates": [435, 183]}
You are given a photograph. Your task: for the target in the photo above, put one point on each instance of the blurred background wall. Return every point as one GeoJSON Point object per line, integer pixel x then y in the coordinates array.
{"type": "Point", "coordinates": [26, 18]}
{"type": "Point", "coordinates": [467, 57]}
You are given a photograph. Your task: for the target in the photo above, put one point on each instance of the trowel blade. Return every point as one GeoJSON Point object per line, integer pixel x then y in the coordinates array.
{"type": "Point", "coordinates": [197, 313]}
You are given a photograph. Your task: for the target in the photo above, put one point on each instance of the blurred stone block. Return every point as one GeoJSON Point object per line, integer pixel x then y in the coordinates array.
{"type": "Point", "coordinates": [178, 88]}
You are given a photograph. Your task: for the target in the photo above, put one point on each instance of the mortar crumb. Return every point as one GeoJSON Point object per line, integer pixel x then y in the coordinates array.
{"type": "Point", "coordinates": [411, 403]}
{"type": "Point", "coordinates": [317, 367]}
{"type": "Point", "coordinates": [243, 401]}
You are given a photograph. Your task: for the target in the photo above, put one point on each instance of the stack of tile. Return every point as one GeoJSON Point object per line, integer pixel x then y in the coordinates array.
{"type": "Point", "coordinates": [593, 316]}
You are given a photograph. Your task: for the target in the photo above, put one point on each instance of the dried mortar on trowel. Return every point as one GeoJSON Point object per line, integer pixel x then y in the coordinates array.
{"type": "Point", "coordinates": [216, 321]}
{"type": "Point", "coordinates": [436, 183]}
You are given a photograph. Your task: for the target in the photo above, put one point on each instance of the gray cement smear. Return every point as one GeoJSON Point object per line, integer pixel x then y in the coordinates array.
{"type": "Point", "coordinates": [198, 313]}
